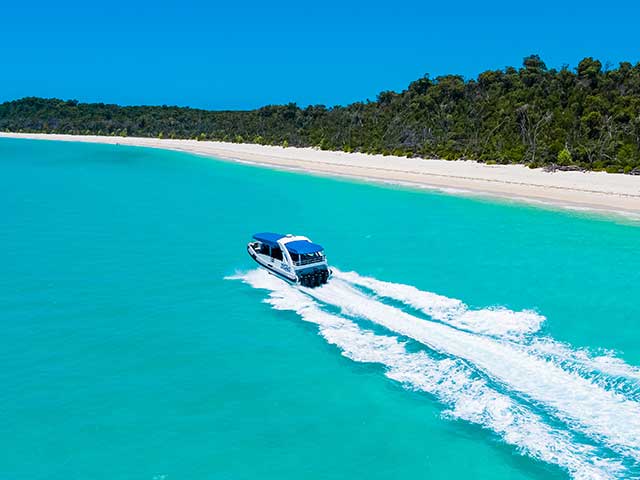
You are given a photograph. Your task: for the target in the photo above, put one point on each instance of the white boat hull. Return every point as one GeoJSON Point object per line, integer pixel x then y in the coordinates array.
{"type": "Point", "coordinates": [310, 275]}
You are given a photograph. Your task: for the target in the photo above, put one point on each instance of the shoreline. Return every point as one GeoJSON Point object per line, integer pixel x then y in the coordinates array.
{"type": "Point", "coordinates": [594, 191]}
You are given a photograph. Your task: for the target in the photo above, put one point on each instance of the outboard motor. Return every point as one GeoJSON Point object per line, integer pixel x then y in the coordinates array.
{"type": "Point", "coordinates": [325, 276]}
{"type": "Point", "coordinates": [315, 278]}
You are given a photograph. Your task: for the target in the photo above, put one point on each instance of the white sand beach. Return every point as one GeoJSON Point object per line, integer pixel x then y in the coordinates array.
{"type": "Point", "coordinates": [582, 190]}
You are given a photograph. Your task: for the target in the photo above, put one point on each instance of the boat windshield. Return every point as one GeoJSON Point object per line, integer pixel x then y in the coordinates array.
{"type": "Point", "coordinates": [307, 258]}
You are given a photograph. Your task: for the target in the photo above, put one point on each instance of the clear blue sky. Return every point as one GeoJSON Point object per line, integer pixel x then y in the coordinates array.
{"type": "Point", "coordinates": [244, 54]}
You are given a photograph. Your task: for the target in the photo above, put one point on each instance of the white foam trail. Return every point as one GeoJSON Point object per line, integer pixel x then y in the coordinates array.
{"type": "Point", "coordinates": [605, 416]}
{"type": "Point", "coordinates": [468, 398]}
{"type": "Point", "coordinates": [498, 321]}
{"type": "Point", "coordinates": [605, 370]}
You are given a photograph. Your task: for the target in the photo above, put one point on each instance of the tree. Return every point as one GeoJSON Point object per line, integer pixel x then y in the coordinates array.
{"type": "Point", "coordinates": [589, 70]}
{"type": "Point", "coordinates": [564, 157]}
{"type": "Point", "coordinates": [530, 114]}
{"type": "Point", "coordinates": [531, 123]}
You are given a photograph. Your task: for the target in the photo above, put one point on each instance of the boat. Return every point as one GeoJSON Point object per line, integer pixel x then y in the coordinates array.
{"type": "Point", "coordinates": [294, 258]}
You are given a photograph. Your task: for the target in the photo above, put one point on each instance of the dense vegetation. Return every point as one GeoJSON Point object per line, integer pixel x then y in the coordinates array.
{"type": "Point", "coordinates": [588, 118]}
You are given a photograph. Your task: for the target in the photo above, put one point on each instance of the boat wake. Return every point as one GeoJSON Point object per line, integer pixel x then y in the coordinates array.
{"type": "Point", "coordinates": [496, 321]}
{"type": "Point", "coordinates": [488, 367]}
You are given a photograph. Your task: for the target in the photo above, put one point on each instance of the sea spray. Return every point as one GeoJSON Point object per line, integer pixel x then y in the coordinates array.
{"type": "Point", "coordinates": [467, 396]}
{"type": "Point", "coordinates": [497, 321]}
{"type": "Point", "coordinates": [603, 368]}
{"type": "Point", "coordinates": [603, 415]}
{"type": "Point", "coordinates": [606, 370]}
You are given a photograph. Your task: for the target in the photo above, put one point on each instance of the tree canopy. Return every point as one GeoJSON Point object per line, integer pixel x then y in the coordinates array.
{"type": "Point", "coordinates": [588, 117]}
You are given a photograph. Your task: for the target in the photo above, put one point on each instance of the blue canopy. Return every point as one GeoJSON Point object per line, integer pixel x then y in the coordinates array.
{"type": "Point", "coordinates": [268, 238]}
{"type": "Point", "coordinates": [303, 246]}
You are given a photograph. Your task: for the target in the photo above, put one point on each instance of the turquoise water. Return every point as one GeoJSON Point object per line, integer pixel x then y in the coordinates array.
{"type": "Point", "coordinates": [139, 342]}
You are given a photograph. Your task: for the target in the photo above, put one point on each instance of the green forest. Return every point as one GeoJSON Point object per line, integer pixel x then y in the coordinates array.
{"type": "Point", "coordinates": [582, 118]}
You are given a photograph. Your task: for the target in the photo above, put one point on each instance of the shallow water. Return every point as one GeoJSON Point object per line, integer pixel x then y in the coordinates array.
{"type": "Point", "coordinates": [459, 337]}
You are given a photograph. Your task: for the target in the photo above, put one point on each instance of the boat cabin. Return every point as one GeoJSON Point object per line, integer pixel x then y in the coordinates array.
{"type": "Point", "coordinates": [294, 258]}
{"type": "Point", "coordinates": [300, 251]}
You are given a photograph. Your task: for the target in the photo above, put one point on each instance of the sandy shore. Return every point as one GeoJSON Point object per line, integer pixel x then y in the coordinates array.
{"type": "Point", "coordinates": [592, 190]}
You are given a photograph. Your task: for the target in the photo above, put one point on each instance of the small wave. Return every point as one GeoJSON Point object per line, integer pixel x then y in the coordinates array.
{"type": "Point", "coordinates": [450, 380]}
